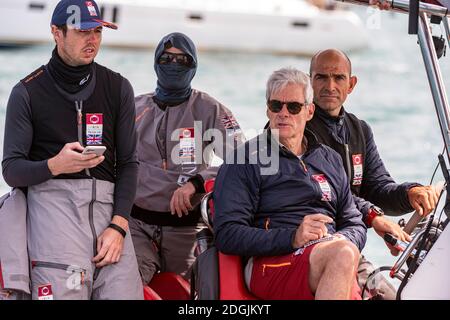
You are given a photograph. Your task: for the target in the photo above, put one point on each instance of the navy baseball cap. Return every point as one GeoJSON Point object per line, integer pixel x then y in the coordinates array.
{"type": "Point", "coordinates": [81, 14]}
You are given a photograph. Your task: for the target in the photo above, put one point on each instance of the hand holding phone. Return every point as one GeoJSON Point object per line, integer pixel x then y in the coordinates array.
{"type": "Point", "coordinates": [98, 150]}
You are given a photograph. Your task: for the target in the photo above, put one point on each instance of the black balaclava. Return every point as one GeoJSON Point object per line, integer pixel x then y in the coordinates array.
{"type": "Point", "coordinates": [174, 80]}
{"type": "Point", "coordinates": [71, 79]}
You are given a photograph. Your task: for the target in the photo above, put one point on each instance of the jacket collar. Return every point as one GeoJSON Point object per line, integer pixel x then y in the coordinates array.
{"type": "Point", "coordinates": [311, 138]}
{"type": "Point", "coordinates": [324, 116]}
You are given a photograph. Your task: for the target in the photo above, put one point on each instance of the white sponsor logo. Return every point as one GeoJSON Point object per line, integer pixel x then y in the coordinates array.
{"type": "Point", "coordinates": [91, 8]}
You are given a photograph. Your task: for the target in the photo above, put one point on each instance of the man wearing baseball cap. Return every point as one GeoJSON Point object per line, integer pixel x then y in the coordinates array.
{"type": "Point", "coordinates": [82, 15]}
{"type": "Point", "coordinates": [78, 204]}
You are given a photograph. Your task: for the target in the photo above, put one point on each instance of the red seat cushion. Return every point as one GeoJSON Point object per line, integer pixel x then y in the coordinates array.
{"type": "Point", "coordinates": [231, 279]}
{"type": "Point", "coordinates": [209, 185]}
{"type": "Point", "coordinates": [170, 286]}
{"type": "Point", "coordinates": [231, 271]}
{"type": "Point", "coordinates": [150, 294]}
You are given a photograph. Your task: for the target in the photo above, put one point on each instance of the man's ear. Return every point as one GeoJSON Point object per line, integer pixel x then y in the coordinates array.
{"type": "Point", "coordinates": [57, 33]}
{"type": "Point", "coordinates": [310, 108]}
{"type": "Point", "coordinates": [353, 81]}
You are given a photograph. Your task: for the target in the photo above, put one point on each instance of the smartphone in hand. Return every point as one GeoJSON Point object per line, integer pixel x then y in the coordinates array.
{"type": "Point", "coordinates": [98, 150]}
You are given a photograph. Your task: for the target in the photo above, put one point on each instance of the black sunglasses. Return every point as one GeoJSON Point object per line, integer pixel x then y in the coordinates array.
{"type": "Point", "coordinates": [292, 106]}
{"type": "Point", "coordinates": [180, 58]}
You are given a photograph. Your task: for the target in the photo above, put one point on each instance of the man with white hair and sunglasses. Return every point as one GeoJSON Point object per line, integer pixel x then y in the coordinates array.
{"type": "Point", "coordinates": [298, 224]}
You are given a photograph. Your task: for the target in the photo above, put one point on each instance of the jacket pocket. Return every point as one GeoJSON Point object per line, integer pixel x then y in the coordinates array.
{"type": "Point", "coordinates": [75, 275]}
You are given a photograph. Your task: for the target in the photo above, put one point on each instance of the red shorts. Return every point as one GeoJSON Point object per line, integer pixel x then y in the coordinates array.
{"type": "Point", "coordinates": [286, 278]}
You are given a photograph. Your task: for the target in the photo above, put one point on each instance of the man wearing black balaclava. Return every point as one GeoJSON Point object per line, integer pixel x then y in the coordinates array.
{"type": "Point", "coordinates": [166, 215]}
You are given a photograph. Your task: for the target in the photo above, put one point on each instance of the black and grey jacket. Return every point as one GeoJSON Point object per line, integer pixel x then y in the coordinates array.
{"type": "Point", "coordinates": [175, 144]}
{"type": "Point", "coordinates": [369, 179]}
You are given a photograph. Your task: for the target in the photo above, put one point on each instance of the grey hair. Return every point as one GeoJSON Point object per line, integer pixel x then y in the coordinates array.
{"type": "Point", "coordinates": [284, 76]}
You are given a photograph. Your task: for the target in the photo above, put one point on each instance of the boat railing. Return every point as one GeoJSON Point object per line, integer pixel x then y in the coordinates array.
{"type": "Point", "coordinates": [402, 6]}
{"type": "Point", "coordinates": [397, 271]}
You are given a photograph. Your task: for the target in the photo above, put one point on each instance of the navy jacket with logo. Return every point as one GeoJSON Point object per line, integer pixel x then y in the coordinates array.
{"type": "Point", "coordinates": [257, 215]}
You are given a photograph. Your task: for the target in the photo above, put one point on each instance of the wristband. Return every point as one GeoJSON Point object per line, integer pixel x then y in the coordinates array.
{"type": "Point", "coordinates": [373, 213]}
{"type": "Point", "coordinates": [198, 183]}
{"type": "Point", "coordinates": [118, 229]}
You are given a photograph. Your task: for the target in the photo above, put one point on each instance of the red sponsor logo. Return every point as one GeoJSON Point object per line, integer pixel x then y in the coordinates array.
{"type": "Point", "coordinates": [45, 290]}
{"type": "Point", "coordinates": [186, 133]}
{"type": "Point", "coordinates": [324, 186]}
{"type": "Point", "coordinates": [94, 118]}
{"type": "Point", "coordinates": [320, 178]}
{"type": "Point", "coordinates": [357, 159]}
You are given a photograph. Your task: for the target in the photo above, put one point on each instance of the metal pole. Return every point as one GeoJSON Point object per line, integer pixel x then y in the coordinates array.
{"type": "Point", "coordinates": [435, 79]}
{"type": "Point", "coordinates": [403, 6]}
{"type": "Point", "coordinates": [446, 22]}
{"type": "Point", "coordinates": [413, 22]}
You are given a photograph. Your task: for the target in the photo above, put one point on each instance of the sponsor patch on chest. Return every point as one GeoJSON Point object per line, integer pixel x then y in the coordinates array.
{"type": "Point", "coordinates": [94, 128]}
{"type": "Point", "coordinates": [187, 145]}
{"type": "Point", "coordinates": [324, 186]}
{"type": "Point", "coordinates": [357, 161]}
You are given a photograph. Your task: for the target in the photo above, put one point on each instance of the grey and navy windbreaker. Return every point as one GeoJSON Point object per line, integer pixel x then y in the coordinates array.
{"type": "Point", "coordinates": [257, 215]}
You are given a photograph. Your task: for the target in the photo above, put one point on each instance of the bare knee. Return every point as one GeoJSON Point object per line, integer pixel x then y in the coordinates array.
{"type": "Point", "coordinates": [337, 259]}
{"type": "Point", "coordinates": [345, 256]}
{"type": "Point", "coordinates": [337, 255]}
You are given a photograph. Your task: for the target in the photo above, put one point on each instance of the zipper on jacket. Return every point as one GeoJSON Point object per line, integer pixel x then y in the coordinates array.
{"type": "Point", "coordinates": [266, 224]}
{"type": "Point", "coordinates": [59, 266]}
{"type": "Point", "coordinates": [349, 168]}
{"type": "Point", "coordinates": [278, 265]}
{"type": "Point", "coordinates": [305, 168]}
{"type": "Point", "coordinates": [79, 108]}
{"type": "Point", "coordinates": [162, 146]}
{"type": "Point", "coordinates": [92, 225]}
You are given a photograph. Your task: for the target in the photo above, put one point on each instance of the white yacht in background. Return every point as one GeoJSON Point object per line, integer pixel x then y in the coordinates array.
{"type": "Point", "coordinates": [277, 26]}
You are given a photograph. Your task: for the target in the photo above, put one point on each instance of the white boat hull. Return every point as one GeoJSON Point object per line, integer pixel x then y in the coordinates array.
{"type": "Point", "coordinates": [302, 30]}
{"type": "Point", "coordinates": [431, 281]}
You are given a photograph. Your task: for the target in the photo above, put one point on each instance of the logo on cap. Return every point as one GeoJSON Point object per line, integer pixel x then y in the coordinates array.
{"type": "Point", "coordinates": [79, 14]}
{"type": "Point", "coordinates": [91, 8]}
